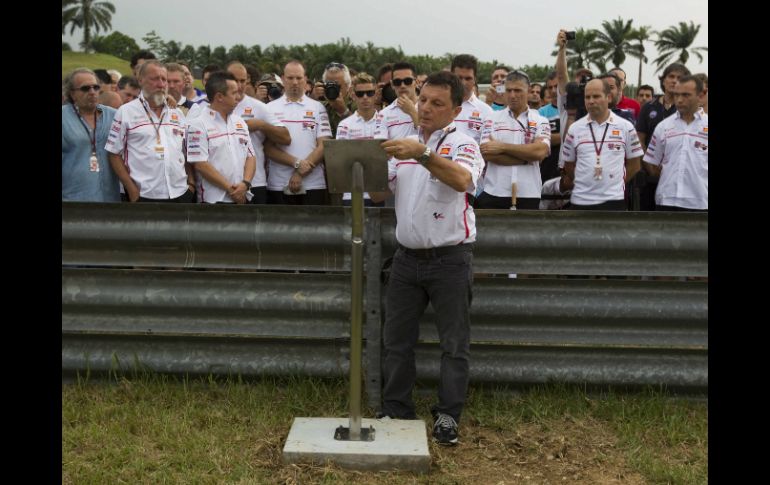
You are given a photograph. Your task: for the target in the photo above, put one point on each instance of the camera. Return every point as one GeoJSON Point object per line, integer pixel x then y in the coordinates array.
{"type": "Point", "coordinates": [331, 90]}
{"type": "Point", "coordinates": [571, 35]}
{"type": "Point", "coordinates": [274, 90]}
{"type": "Point", "coordinates": [576, 93]}
{"type": "Point", "coordinates": [388, 93]}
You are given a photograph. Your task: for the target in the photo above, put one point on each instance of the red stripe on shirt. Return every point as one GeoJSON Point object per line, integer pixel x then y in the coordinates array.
{"type": "Point", "coordinates": [465, 217]}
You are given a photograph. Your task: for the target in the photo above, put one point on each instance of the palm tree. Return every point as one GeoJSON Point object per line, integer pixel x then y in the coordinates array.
{"type": "Point", "coordinates": [640, 35]}
{"type": "Point", "coordinates": [676, 41]}
{"type": "Point", "coordinates": [613, 42]}
{"type": "Point", "coordinates": [86, 14]}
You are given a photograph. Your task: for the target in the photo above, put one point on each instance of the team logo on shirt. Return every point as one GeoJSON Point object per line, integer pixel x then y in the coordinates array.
{"type": "Point", "coordinates": [309, 114]}
{"type": "Point", "coordinates": [701, 145]}
{"type": "Point", "coordinates": [174, 118]}
{"type": "Point", "coordinates": [247, 111]}
{"type": "Point", "coordinates": [533, 124]}
{"type": "Point", "coordinates": [616, 132]}
{"type": "Point", "coordinates": [705, 129]}
{"type": "Point", "coordinates": [438, 216]}
{"type": "Point", "coordinates": [444, 151]}
{"type": "Point", "coordinates": [476, 115]}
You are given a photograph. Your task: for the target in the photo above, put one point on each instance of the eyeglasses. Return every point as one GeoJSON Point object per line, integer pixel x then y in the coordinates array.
{"type": "Point", "coordinates": [407, 81]}
{"type": "Point", "coordinates": [369, 93]}
{"type": "Point", "coordinates": [332, 65]}
{"type": "Point", "coordinates": [86, 88]}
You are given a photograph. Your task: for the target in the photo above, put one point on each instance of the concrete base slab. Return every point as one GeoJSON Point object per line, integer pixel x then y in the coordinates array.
{"type": "Point", "coordinates": [398, 444]}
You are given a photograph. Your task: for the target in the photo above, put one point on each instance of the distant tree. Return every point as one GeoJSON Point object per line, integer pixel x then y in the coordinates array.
{"type": "Point", "coordinates": [116, 44]}
{"type": "Point", "coordinates": [203, 55]}
{"type": "Point", "coordinates": [219, 56]}
{"type": "Point", "coordinates": [154, 43]}
{"type": "Point", "coordinates": [238, 52]}
{"type": "Point", "coordinates": [640, 35]}
{"type": "Point", "coordinates": [188, 55]}
{"type": "Point", "coordinates": [536, 73]}
{"type": "Point", "coordinates": [86, 15]}
{"type": "Point", "coordinates": [582, 51]}
{"type": "Point", "coordinates": [612, 42]}
{"type": "Point", "coordinates": [65, 46]}
{"type": "Point", "coordinates": [170, 51]}
{"type": "Point", "coordinates": [677, 41]}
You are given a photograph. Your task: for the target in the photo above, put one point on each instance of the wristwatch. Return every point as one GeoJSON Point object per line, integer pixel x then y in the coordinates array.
{"type": "Point", "coordinates": [297, 164]}
{"type": "Point", "coordinates": [423, 159]}
{"type": "Point", "coordinates": [248, 184]}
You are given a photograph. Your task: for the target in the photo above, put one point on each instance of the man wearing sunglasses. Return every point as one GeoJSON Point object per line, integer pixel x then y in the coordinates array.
{"type": "Point", "coordinates": [86, 174]}
{"type": "Point", "coordinates": [399, 119]}
{"type": "Point", "coordinates": [360, 125]}
{"type": "Point", "coordinates": [146, 143]}
{"type": "Point", "coordinates": [431, 174]}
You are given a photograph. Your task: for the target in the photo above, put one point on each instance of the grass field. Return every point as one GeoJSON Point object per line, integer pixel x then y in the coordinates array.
{"type": "Point", "coordinates": [158, 429]}
{"type": "Point", "coordinates": [73, 60]}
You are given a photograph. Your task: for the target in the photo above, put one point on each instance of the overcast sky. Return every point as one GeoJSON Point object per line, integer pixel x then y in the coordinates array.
{"type": "Point", "coordinates": [513, 32]}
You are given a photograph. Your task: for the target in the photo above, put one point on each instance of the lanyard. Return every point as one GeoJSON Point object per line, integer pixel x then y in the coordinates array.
{"type": "Point", "coordinates": [160, 122]}
{"type": "Point", "coordinates": [441, 140]}
{"type": "Point", "coordinates": [523, 128]}
{"type": "Point", "coordinates": [601, 145]}
{"type": "Point", "coordinates": [91, 138]}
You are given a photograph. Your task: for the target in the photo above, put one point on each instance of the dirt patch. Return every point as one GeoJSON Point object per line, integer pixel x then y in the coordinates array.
{"type": "Point", "coordinates": [564, 451]}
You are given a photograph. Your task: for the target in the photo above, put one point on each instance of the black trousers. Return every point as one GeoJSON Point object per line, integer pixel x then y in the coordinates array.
{"type": "Point", "coordinates": [311, 197]}
{"type": "Point", "coordinates": [486, 201]}
{"type": "Point", "coordinates": [444, 280]}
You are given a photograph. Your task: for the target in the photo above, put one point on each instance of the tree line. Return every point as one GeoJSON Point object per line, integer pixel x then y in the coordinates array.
{"type": "Point", "coordinates": [599, 49]}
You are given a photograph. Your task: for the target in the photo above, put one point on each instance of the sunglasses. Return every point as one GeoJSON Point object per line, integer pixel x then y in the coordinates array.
{"type": "Point", "coordinates": [88, 87]}
{"type": "Point", "coordinates": [369, 93]}
{"type": "Point", "coordinates": [407, 81]}
{"type": "Point", "coordinates": [333, 65]}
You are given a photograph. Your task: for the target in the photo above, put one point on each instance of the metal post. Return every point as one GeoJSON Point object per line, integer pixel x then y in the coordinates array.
{"type": "Point", "coordinates": [357, 294]}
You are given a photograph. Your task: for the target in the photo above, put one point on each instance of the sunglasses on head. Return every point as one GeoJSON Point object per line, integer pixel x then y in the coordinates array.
{"type": "Point", "coordinates": [369, 93]}
{"type": "Point", "coordinates": [86, 88]}
{"type": "Point", "coordinates": [333, 65]}
{"type": "Point", "coordinates": [407, 81]}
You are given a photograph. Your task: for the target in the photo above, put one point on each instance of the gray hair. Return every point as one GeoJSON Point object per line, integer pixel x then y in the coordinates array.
{"type": "Point", "coordinates": [114, 72]}
{"type": "Point", "coordinates": [69, 81]}
{"type": "Point", "coordinates": [146, 64]}
{"type": "Point", "coordinates": [335, 68]}
{"type": "Point", "coordinates": [517, 76]}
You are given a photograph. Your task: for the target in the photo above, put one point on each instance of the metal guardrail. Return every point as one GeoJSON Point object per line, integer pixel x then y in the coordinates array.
{"type": "Point", "coordinates": [263, 322]}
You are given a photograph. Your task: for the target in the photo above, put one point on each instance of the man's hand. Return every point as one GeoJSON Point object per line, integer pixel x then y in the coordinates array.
{"type": "Point", "coordinates": [318, 91]}
{"type": "Point", "coordinates": [492, 147]}
{"type": "Point", "coordinates": [305, 168]}
{"type": "Point", "coordinates": [403, 148]}
{"type": "Point", "coordinates": [338, 104]}
{"type": "Point", "coordinates": [407, 106]}
{"type": "Point", "coordinates": [132, 192]}
{"type": "Point", "coordinates": [295, 182]}
{"type": "Point", "coordinates": [262, 93]}
{"type": "Point", "coordinates": [237, 192]}
{"type": "Point", "coordinates": [171, 101]}
{"type": "Point", "coordinates": [561, 39]}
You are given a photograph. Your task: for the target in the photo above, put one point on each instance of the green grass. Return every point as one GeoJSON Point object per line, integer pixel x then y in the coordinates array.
{"type": "Point", "coordinates": [73, 60]}
{"type": "Point", "coordinates": [159, 429]}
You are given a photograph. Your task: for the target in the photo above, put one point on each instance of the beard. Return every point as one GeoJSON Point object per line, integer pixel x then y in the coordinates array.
{"type": "Point", "coordinates": [157, 98]}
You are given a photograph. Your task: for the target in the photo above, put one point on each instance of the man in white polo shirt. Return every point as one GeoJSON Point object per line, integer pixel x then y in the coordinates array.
{"type": "Point", "coordinates": [399, 118]}
{"type": "Point", "coordinates": [601, 152]}
{"type": "Point", "coordinates": [218, 144]}
{"type": "Point", "coordinates": [145, 144]}
{"type": "Point", "coordinates": [432, 174]}
{"type": "Point", "coordinates": [474, 111]}
{"type": "Point", "coordinates": [262, 125]}
{"type": "Point", "coordinates": [678, 151]}
{"type": "Point", "coordinates": [296, 174]}
{"type": "Point", "coordinates": [513, 143]}
{"type": "Point", "coordinates": [361, 124]}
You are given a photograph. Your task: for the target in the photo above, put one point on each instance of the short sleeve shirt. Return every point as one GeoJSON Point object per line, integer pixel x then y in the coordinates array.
{"type": "Point", "coordinates": [392, 123]}
{"type": "Point", "coordinates": [354, 127]}
{"type": "Point", "coordinates": [254, 109]}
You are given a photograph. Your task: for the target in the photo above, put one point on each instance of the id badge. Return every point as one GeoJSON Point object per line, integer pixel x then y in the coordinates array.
{"type": "Point", "coordinates": [93, 163]}
{"type": "Point", "coordinates": [160, 152]}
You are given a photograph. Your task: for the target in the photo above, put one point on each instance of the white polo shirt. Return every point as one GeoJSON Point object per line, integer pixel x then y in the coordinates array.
{"type": "Point", "coordinates": [354, 127]}
{"type": "Point", "coordinates": [682, 152]}
{"type": "Point", "coordinates": [621, 142]}
{"type": "Point", "coordinates": [506, 128]}
{"type": "Point", "coordinates": [306, 121]}
{"type": "Point", "coordinates": [224, 144]}
{"type": "Point", "coordinates": [392, 123]}
{"type": "Point", "coordinates": [254, 109]}
{"type": "Point", "coordinates": [430, 213]}
{"type": "Point", "coordinates": [197, 109]}
{"type": "Point", "coordinates": [157, 172]}
{"type": "Point", "coordinates": [472, 117]}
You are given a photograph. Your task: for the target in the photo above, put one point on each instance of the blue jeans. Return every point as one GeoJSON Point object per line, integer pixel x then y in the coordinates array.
{"type": "Point", "coordinates": [445, 281]}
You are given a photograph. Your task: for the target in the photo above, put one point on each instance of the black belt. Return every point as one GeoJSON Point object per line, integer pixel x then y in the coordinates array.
{"type": "Point", "coordinates": [429, 253]}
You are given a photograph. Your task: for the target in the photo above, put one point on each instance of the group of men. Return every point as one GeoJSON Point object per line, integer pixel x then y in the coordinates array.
{"type": "Point", "coordinates": [449, 152]}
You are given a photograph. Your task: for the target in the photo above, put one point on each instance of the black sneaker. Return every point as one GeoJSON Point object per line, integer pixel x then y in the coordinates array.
{"type": "Point", "coordinates": [445, 430]}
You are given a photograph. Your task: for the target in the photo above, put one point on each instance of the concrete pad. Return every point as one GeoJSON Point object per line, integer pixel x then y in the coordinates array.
{"type": "Point", "coordinates": [399, 444]}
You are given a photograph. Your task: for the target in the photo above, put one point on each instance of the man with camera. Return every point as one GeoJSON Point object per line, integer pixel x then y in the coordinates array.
{"type": "Point", "coordinates": [270, 88]}
{"type": "Point", "coordinates": [496, 94]}
{"type": "Point", "coordinates": [399, 118]}
{"type": "Point", "coordinates": [513, 142]}
{"type": "Point", "coordinates": [601, 152]}
{"type": "Point", "coordinates": [296, 173]}
{"type": "Point", "coordinates": [333, 93]}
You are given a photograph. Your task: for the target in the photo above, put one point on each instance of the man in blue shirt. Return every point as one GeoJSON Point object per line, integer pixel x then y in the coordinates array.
{"type": "Point", "coordinates": [85, 125]}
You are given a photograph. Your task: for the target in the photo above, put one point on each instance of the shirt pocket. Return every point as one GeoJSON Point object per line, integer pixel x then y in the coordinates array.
{"type": "Point", "coordinates": [440, 192]}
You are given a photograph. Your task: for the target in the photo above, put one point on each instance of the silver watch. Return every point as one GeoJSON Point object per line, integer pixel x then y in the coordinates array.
{"type": "Point", "coordinates": [423, 159]}
{"type": "Point", "coordinates": [297, 164]}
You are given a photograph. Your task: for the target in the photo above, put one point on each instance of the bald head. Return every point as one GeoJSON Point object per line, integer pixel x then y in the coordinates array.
{"type": "Point", "coordinates": [110, 98]}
